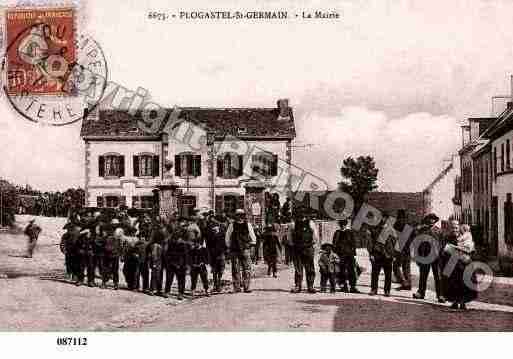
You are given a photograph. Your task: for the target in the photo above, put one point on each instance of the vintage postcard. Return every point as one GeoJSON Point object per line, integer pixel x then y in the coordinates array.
{"type": "Point", "coordinates": [257, 166]}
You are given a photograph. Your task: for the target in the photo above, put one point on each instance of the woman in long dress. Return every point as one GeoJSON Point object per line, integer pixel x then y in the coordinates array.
{"type": "Point", "coordinates": [459, 292]}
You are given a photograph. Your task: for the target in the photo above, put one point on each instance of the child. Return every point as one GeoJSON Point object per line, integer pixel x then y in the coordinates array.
{"type": "Point", "coordinates": [465, 242]}
{"type": "Point", "coordinates": [328, 266]}
{"type": "Point", "coordinates": [271, 248]}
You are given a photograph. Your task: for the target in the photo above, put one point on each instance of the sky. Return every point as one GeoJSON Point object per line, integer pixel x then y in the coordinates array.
{"type": "Point", "coordinates": [390, 79]}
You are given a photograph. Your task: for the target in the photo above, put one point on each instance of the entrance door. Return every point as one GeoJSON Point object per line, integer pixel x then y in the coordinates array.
{"type": "Point", "coordinates": [494, 245]}
{"type": "Point", "coordinates": [186, 205]}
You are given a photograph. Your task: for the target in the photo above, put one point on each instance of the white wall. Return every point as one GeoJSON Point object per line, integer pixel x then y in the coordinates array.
{"type": "Point", "coordinates": [127, 185]}
{"type": "Point", "coordinates": [502, 185]}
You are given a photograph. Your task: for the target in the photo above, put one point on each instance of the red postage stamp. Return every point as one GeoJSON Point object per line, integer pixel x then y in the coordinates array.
{"type": "Point", "coordinates": [40, 49]}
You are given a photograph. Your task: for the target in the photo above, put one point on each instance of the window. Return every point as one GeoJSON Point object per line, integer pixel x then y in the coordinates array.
{"type": "Point", "coordinates": [111, 165]}
{"type": "Point", "coordinates": [508, 165]}
{"type": "Point", "coordinates": [508, 220]}
{"type": "Point", "coordinates": [99, 202]}
{"type": "Point", "coordinates": [228, 203]}
{"type": "Point", "coordinates": [502, 157]}
{"type": "Point", "coordinates": [187, 164]}
{"type": "Point", "coordinates": [229, 165]}
{"type": "Point", "coordinates": [494, 162]}
{"type": "Point", "coordinates": [486, 176]}
{"type": "Point", "coordinates": [146, 165]}
{"type": "Point", "coordinates": [145, 202]}
{"type": "Point", "coordinates": [265, 164]}
{"type": "Point", "coordinates": [111, 201]}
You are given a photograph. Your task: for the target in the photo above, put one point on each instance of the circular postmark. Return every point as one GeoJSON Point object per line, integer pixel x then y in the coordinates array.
{"type": "Point", "coordinates": [51, 76]}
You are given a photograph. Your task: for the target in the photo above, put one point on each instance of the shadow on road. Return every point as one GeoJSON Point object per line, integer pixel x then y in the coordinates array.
{"type": "Point", "coordinates": [408, 315]}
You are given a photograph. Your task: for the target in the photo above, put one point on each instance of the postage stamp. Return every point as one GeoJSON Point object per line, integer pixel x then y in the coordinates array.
{"type": "Point", "coordinates": [41, 46]}
{"type": "Point", "coordinates": [51, 72]}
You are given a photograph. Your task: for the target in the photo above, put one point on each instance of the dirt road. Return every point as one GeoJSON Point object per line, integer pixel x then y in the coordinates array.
{"type": "Point", "coordinates": [34, 296]}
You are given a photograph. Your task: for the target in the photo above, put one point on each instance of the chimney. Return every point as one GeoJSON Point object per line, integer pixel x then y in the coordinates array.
{"type": "Point", "coordinates": [283, 106]}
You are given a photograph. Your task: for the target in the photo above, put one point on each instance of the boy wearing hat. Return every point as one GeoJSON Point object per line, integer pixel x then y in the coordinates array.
{"type": "Point", "coordinates": [329, 264]}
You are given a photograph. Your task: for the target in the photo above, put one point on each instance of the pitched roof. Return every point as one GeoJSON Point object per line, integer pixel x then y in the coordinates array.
{"type": "Point", "coordinates": [238, 122]}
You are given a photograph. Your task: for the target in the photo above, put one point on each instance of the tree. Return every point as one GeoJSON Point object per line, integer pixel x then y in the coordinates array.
{"type": "Point", "coordinates": [359, 177]}
{"type": "Point", "coordinates": [9, 202]}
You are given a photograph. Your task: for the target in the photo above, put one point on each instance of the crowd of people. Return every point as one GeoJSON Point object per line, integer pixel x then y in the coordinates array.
{"type": "Point", "coordinates": [152, 249]}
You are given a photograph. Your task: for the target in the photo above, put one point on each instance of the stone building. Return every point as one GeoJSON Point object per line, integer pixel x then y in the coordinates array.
{"type": "Point", "coordinates": [219, 158]}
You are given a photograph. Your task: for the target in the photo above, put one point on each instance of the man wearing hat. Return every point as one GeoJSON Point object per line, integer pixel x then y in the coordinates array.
{"type": "Point", "coordinates": [344, 244]}
{"type": "Point", "coordinates": [427, 255]}
{"type": "Point", "coordinates": [304, 237]}
{"type": "Point", "coordinates": [240, 237]}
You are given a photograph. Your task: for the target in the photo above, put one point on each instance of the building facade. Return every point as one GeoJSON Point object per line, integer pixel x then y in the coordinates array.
{"type": "Point", "coordinates": [439, 193]}
{"type": "Point", "coordinates": [220, 158]}
{"type": "Point", "coordinates": [500, 137]}
{"type": "Point", "coordinates": [471, 139]}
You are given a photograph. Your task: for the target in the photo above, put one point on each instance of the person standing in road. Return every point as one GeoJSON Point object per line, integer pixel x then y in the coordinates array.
{"type": "Point", "coordinates": [428, 256]}
{"type": "Point", "coordinates": [304, 237]}
{"type": "Point", "coordinates": [176, 253]}
{"type": "Point", "coordinates": [344, 243]}
{"type": "Point", "coordinates": [381, 255]}
{"type": "Point", "coordinates": [216, 245]}
{"type": "Point", "coordinates": [32, 231]}
{"type": "Point", "coordinates": [402, 262]}
{"type": "Point", "coordinates": [112, 251]}
{"type": "Point", "coordinates": [271, 247]}
{"type": "Point", "coordinates": [156, 261]}
{"type": "Point", "coordinates": [240, 237]}
{"type": "Point", "coordinates": [329, 266]}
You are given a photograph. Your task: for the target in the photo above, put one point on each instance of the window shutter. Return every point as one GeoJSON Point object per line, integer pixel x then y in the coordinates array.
{"type": "Point", "coordinates": [241, 165]}
{"type": "Point", "coordinates": [219, 204]}
{"type": "Point", "coordinates": [101, 166]}
{"type": "Point", "coordinates": [122, 200]}
{"type": "Point", "coordinates": [99, 201]}
{"type": "Point", "coordinates": [188, 171]}
{"type": "Point", "coordinates": [121, 160]}
{"type": "Point", "coordinates": [178, 166]}
{"type": "Point", "coordinates": [254, 164]}
{"type": "Point", "coordinates": [197, 165]}
{"type": "Point", "coordinates": [155, 166]}
{"type": "Point", "coordinates": [136, 166]}
{"type": "Point", "coordinates": [220, 164]}
{"type": "Point", "coordinates": [274, 166]}
{"type": "Point", "coordinates": [240, 203]}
